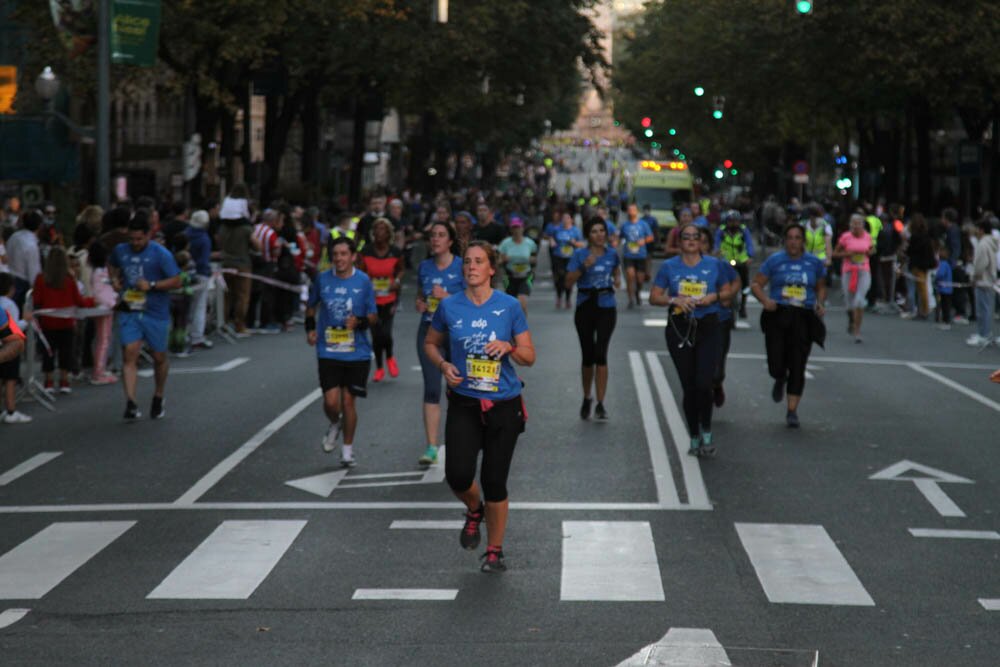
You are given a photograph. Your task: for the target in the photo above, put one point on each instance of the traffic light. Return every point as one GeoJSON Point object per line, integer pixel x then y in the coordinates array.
{"type": "Point", "coordinates": [804, 6]}
{"type": "Point", "coordinates": [648, 133]}
{"type": "Point", "coordinates": [677, 151]}
{"type": "Point", "coordinates": [647, 121]}
{"type": "Point", "coordinates": [844, 183]}
{"type": "Point", "coordinates": [655, 145]}
{"type": "Point", "coordinates": [672, 132]}
{"type": "Point", "coordinates": [718, 104]}
{"type": "Point", "coordinates": [699, 91]}
{"type": "Point", "coordinates": [734, 171]}
{"type": "Point", "coordinates": [728, 164]}
{"type": "Point", "coordinates": [719, 174]}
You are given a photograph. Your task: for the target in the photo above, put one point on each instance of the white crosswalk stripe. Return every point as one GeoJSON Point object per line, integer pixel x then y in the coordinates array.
{"type": "Point", "coordinates": [39, 564]}
{"type": "Point", "coordinates": [231, 563]}
{"type": "Point", "coordinates": [801, 565]}
{"type": "Point", "coordinates": [609, 561]}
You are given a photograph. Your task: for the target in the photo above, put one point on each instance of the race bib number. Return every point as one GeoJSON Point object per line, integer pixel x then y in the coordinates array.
{"type": "Point", "coordinates": [858, 258]}
{"type": "Point", "coordinates": [135, 299]}
{"type": "Point", "coordinates": [339, 340]}
{"type": "Point", "coordinates": [482, 373]}
{"type": "Point", "coordinates": [520, 269]}
{"type": "Point", "coordinates": [794, 293]}
{"type": "Point", "coordinates": [432, 304]}
{"type": "Point", "coordinates": [693, 288]}
{"type": "Point", "coordinates": [566, 251]}
{"type": "Point", "coordinates": [633, 247]}
{"type": "Point", "coordinates": [383, 286]}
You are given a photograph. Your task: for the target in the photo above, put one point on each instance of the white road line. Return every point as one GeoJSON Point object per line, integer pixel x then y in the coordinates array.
{"type": "Point", "coordinates": [192, 370]}
{"type": "Point", "coordinates": [22, 469]}
{"type": "Point", "coordinates": [990, 604]}
{"type": "Point", "coordinates": [403, 524]}
{"type": "Point", "coordinates": [40, 563]}
{"type": "Point", "coordinates": [691, 470]}
{"type": "Point", "coordinates": [871, 362]}
{"type": "Point", "coordinates": [230, 365]}
{"type": "Point", "coordinates": [213, 476]}
{"type": "Point", "coordinates": [609, 561]}
{"type": "Point", "coordinates": [385, 475]}
{"type": "Point", "coordinates": [231, 563]}
{"type": "Point", "coordinates": [938, 499]}
{"type": "Point", "coordinates": [295, 506]}
{"type": "Point", "coordinates": [683, 647]}
{"type": "Point", "coordinates": [654, 322]}
{"type": "Point", "coordinates": [801, 565]}
{"type": "Point", "coordinates": [810, 376]}
{"type": "Point", "coordinates": [320, 485]}
{"type": "Point", "coordinates": [405, 594]}
{"type": "Point", "coordinates": [11, 616]}
{"type": "Point", "coordinates": [666, 489]}
{"type": "Point", "coordinates": [956, 386]}
{"type": "Point", "coordinates": [955, 534]}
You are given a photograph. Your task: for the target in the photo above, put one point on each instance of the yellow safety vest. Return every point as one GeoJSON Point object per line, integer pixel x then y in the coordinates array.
{"type": "Point", "coordinates": [337, 232]}
{"type": "Point", "coordinates": [816, 241]}
{"type": "Point", "coordinates": [732, 247]}
{"type": "Point", "coordinates": [875, 225]}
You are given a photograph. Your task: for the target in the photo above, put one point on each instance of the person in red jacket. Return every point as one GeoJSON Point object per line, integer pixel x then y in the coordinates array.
{"type": "Point", "coordinates": [56, 287]}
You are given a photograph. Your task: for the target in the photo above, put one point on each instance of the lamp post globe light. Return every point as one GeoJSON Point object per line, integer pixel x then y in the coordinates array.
{"type": "Point", "coordinates": [47, 84]}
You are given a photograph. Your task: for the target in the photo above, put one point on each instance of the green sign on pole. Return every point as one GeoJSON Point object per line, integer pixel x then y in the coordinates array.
{"type": "Point", "coordinates": [135, 31]}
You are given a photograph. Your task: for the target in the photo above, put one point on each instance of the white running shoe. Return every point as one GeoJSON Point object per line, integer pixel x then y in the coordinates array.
{"type": "Point", "coordinates": [16, 418]}
{"type": "Point", "coordinates": [975, 340]}
{"type": "Point", "coordinates": [742, 324]}
{"type": "Point", "coordinates": [330, 439]}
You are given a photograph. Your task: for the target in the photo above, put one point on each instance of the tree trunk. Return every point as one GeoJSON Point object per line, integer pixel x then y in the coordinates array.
{"type": "Point", "coordinates": [357, 155]}
{"type": "Point", "coordinates": [310, 138]}
{"type": "Point", "coordinates": [922, 128]}
{"type": "Point", "coordinates": [228, 152]}
{"type": "Point", "coordinates": [280, 113]}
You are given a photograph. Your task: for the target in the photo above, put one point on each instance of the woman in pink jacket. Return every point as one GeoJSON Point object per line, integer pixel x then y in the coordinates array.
{"type": "Point", "coordinates": [105, 297]}
{"type": "Point", "coordinates": [855, 247]}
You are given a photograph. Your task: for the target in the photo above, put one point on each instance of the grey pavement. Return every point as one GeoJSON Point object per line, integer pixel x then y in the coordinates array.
{"type": "Point", "coordinates": [179, 542]}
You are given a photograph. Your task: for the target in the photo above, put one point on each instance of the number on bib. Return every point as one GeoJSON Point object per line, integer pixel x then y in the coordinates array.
{"type": "Point", "coordinates": [382, 286]}
{"type": "Point", "coordinates": [339, 340]}
{"type": "Point", "coordinates": [483, 373]}
{"type": "Point", "coordinates": [135, 299]}
{"type": "Point", "coordinates": [693, 288]}
{"type": "Point", "coordinates": [432, 304]}
{"type": "Point", "coordinates": [794, 293]}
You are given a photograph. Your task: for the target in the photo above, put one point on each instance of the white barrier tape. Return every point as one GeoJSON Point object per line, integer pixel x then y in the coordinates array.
{"type": "Point", "coordinates": [264, 279]}
{"type": "Point", "coordinates": [41, 336]}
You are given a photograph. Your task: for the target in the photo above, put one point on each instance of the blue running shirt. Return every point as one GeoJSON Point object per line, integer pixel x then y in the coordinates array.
{"type": "Point", "coordinates": [600, 276]}
{"type": "Point", "coordinates": [154, 263]}
{"type": "Point", "coordinates": [631, 234]}
{"type": "Point", "coordinates": [335, 299]}
{"type": "Point", "coordinates": [428, 275]}
{"type": "Point", "coordinates": [469, 328]}
{"type": "Point", "coordinates": [728, 275]}
{"type": "Point", "coordinates": [792, 282]}
{"type": "Point", "coordinates": [704, 278]}
{"type": "Point", "coordinates": [564, 241]}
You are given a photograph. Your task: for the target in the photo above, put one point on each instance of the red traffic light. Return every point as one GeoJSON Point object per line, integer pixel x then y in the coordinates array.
{"type": "Point", "coordinates": [728, 164]}
{"type": "Point", "coordinates": [647, 121]}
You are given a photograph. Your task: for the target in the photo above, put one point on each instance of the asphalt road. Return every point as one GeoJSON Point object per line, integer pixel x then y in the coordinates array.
{"type": "Point", "coordinates": [180, 542]}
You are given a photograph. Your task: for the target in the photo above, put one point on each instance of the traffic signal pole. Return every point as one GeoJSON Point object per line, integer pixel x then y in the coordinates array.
{"type": "Point", "coordinates": [103, 134]}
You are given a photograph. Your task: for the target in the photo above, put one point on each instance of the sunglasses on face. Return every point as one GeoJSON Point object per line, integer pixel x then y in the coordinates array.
{"type": "Point", "coordinates": [690, 237]}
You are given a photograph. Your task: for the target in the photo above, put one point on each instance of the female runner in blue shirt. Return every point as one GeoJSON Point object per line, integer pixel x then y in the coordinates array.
{"type": "Point", "coordinates": [596, 271]}
{"type": "Point", "coordinates": [793, 305]}
{"type": "Point", "coordinates": [692, 285]}
{"type": "Point", "coordinates": [437, 277]}
{"type": "Point", "coordinates": [485, 330]}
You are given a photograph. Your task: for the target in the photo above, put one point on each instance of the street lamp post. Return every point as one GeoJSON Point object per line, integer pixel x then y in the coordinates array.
{"type": "Point", "coordinates": [47, 86]}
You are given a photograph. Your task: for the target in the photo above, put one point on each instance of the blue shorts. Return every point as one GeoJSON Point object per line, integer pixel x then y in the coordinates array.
{"type": "Point", "coordinates": [140, 326]}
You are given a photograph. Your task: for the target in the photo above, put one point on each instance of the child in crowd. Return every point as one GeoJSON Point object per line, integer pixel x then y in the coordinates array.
{"type": "Point", "coordinates": [180, 305]}
{"type": "Point", "coordinates": [943, 287]}
{"type": "Point", "coordinates": [56, 287]}
{"type": "Point", "coordinates": [105, 297]}
{"type": "Point", "coordinates": [10, 372]}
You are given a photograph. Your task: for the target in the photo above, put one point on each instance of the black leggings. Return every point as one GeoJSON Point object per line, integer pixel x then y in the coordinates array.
{"type": "Point", "coordinates": [559, 265]}
{"type": "Point", "coordinates": [725, 340]}
{"type": "Point", "coordinates": [382, 332]}
{"type": "Point", "coordinates": [696, 366]}
{"type": "Point", "coordinates": [786, 337]}
{"type": "Point", "coordinates": [594, 326]}
{"type": "Point", "coordinates": [468, 430]}
{"type": "Point", "coordinates": [61, 342]}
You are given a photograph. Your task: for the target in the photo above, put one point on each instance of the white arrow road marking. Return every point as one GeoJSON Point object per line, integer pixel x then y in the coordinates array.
{"type": "Point", "coordinates": [20, 470]}
{"type": "Point", "coordinates": [955, 534]}
{"type": "Point", "coordinates": [990, 604]}
{"type": "Point", "coordinates": [11, 616]}
{"type": "Point", "coordinates": [221, 368]}
{"type": "Point", "coordinates": [433, 475]}
{"type": "Point", "coordinates": [927, 484]}
{"type": "Point", "coordinates": [810, 376]}
{"type": "Point", "coordinates": [403, 524]}
{"type": "Point", "coordinates": [321, 485]}
{"type": "Point", "coordinates": [681, 647]}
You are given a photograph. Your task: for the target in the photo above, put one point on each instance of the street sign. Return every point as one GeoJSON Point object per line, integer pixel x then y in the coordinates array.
{"type": "Point", "coordinates": [800, 167]}
{"type": "Point", "coordinates": [802, 179]}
